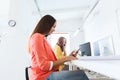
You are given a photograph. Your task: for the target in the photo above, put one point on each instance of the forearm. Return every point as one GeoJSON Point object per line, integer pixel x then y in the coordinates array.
{"type": "Point", "coordinates": [62, 60]}
{"type": "Point", "coordinates": [59, 61]}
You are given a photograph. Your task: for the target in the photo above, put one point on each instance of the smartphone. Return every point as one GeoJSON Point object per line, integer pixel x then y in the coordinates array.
{"type": "Point", "coordinates": [77, 51]}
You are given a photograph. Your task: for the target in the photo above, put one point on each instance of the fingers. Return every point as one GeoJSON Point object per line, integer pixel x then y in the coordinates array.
{"type": "Point", "coordinates": [74, 53]}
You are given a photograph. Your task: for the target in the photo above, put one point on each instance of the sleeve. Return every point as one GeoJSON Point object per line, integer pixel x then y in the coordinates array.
{"type": "Point", "coordinates": [40, 54]}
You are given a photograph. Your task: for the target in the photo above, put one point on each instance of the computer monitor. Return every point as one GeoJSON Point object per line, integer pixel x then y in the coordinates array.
{"type": "Point", "coordinates": [85, 49]}
{"type": "Point", "coordinates": [96, 49]}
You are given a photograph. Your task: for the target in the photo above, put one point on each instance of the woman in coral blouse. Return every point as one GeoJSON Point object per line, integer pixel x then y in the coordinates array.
{"type": "Point", "coordinates": [43, 59]}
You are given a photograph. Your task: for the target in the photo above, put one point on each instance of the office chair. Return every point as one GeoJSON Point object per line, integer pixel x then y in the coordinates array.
{"type": "Point", "coordinates": [27, 72]}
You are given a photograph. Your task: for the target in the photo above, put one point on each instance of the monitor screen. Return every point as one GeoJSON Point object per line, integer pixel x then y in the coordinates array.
{"type": "Point", "coordinates": [96, 49]}
{"type": "Point", "coordinates": [85, 49]}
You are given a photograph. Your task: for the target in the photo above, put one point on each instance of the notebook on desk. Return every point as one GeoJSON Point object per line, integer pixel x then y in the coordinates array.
{"type": "Point", "coordinates": [99, 58]}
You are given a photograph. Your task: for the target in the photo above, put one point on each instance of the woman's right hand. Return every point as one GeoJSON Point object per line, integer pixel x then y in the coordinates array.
{"type": "Point", "coordinates": [62, 60]}
{"type": "Point", "coordinates": [73, 53]}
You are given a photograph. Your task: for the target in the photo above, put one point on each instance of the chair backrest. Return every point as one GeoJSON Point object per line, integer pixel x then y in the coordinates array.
{"type": "Point", "coordinates": [27, 72]}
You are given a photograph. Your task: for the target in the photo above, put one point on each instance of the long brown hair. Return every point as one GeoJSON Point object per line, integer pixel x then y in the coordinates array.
{"type": "Point", "coordinates": [44, 25]}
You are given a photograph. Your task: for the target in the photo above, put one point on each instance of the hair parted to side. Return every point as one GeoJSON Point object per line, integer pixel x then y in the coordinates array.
{"type": "Point", "coordinates": [44, 25]}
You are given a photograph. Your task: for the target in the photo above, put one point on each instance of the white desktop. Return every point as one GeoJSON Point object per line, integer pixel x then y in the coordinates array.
{"type": "Point", "coordinates": [106, 65]}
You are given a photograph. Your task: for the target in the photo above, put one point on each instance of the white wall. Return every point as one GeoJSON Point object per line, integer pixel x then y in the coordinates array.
{"type": "Point", "coordinates": [13, 47]}
{"type": "Point", "coordinates": [103, 22]}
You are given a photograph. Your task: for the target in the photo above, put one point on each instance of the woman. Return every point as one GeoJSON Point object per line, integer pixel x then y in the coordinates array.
{"type": "Point", "coordinates": [60, 51]}
{"type": "Point", "coordinates": [43, 60]}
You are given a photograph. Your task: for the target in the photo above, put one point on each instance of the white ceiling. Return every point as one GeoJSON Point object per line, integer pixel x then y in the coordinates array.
{"type": "Point", "coordinates": [64, 10]}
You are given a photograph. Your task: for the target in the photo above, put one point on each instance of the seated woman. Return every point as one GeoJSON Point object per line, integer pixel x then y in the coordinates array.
{"type": "Point", "coordinates": [44, 64]}
{"type": "Point", "coordinates": [60, 51]}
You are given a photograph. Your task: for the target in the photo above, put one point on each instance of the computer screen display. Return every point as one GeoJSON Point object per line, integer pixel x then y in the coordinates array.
{"type": "Point", "coordinates": [103, 47]}
{"type": "Point", "coordinates": [85, 49]}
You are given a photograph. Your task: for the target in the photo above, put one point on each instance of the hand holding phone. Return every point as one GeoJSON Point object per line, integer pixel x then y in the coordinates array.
{"type": "Point", "coordinates": [74, 53]}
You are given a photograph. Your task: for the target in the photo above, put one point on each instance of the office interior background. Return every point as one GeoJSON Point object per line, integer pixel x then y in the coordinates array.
{"type": "Point", "coordinates": [80, 21]}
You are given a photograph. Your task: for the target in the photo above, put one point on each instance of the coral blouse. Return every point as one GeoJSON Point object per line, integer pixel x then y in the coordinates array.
{"type": "Point", "coordinates": [42, 57]}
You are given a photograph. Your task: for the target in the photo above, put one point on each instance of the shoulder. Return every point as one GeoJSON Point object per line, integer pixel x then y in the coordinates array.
{"type": "Point", "coordinates": [57, 48]}
{"type": "Point", "coordinates": [37, 37]}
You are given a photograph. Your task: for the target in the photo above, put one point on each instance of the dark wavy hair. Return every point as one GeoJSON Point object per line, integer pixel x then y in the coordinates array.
{"type": "Point", "coordinates": [44, 25]}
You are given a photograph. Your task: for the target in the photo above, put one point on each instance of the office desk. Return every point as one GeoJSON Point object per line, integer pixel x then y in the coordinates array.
{"type": "Point", "coordinates": [108, 67]}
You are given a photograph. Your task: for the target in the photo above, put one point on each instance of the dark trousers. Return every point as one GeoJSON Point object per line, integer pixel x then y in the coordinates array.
{"type": "Point", "coordinates": [68, 75]}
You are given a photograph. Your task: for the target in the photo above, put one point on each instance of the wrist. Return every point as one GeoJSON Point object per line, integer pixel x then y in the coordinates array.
{"type": "Point", "coordinates": [66, 59]}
